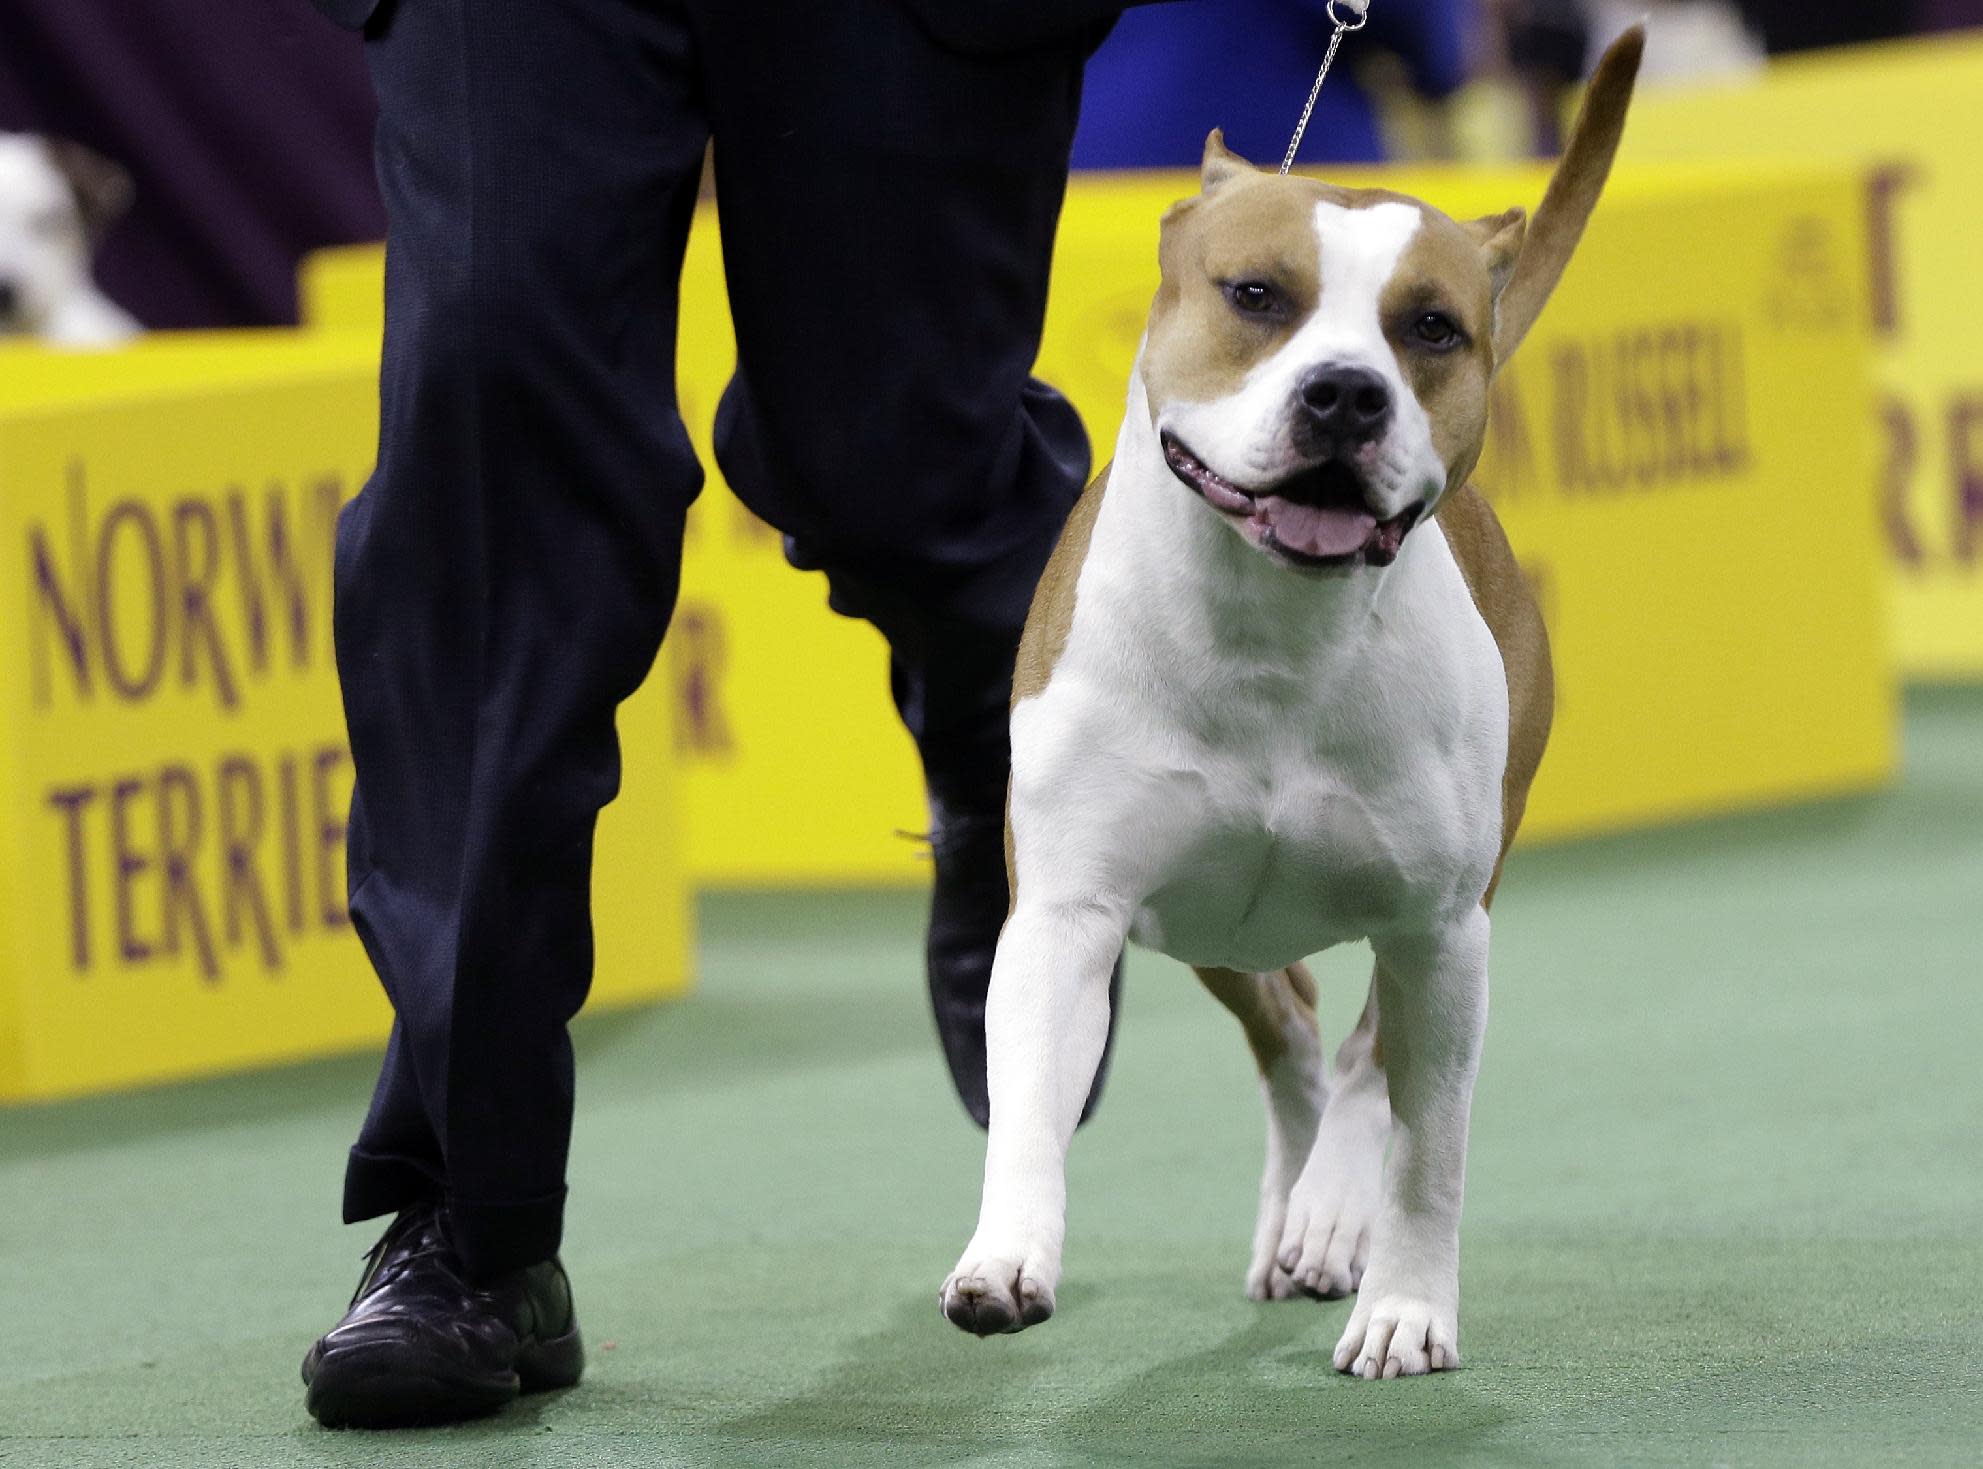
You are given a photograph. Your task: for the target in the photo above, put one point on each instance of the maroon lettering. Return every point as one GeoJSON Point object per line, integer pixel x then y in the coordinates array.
{"type": "Point", "coordinates": [140, 593]}
{"type": "Point", "coordinates": [1895, 476]}
{"type": "Point", "coordinates": [1966, 475]}
{"type": "Point", "coordinates": [1572, 380]}
{"type": "Point", "coordinates": [1728, 400]}
{"type": "Point", "coordinates": [170, 827]}
{"type": "Point", "coordinates": [1650, 405]}
{"type": "Point", "coordinates": [238, 791]}
{"type": "Point", "coordinates": [52, 599]}
{"type": "Point", "coordinates": [265, 565]}
{"type": "Point", "coordinates": [1678, 394]}
{"type": "Point", "coordinates": [70, 801]}
{"type": "Point", "coordinates": [195, 562]}
{"type": "Point", "coordinates": [292, 842]}
{"type": "Point", "coordinates": [134, 514]}
{"type": "Point", "coordinates": [699, 656]}
{"type": "Point", "coordinates": [178, 839]}
{"type": "Point", "coordinates": [1883, 189]}
{"type": "Point", "coordinates": [127, 866]}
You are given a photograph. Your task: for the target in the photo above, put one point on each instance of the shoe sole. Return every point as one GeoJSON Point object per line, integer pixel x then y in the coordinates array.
{"type": "Point", "coordinates": [352, 1392]}
{"type": "Point", "coordinates": [380, 1390]}
{"type": "Point", "coordinates": [546, 1366]}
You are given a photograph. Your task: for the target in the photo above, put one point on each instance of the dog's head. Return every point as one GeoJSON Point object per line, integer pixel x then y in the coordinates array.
{"type": "Point", "coordinates": [55, 199]}
{"type": "Point", "coordinates": [1318, 359]}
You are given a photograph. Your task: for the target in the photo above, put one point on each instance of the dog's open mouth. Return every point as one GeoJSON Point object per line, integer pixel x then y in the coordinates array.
{"type": "Point", "coordinates": [1318, 516]}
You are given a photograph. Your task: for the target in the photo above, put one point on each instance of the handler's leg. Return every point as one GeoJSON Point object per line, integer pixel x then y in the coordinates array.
{"type": "Point", "coordinates": [502, 584]}
{"type": "Point", "coordinates": [888, 217]}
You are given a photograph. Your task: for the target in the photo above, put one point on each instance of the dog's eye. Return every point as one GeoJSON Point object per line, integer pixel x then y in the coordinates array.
{"type": "Point", "coordinates": [1255, 298]}
{"type": "Point", "coordinates": [1438, 331]}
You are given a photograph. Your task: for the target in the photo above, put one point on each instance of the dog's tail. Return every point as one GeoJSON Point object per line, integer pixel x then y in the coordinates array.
{"type": "Point", "coordinates": [1573, 192]}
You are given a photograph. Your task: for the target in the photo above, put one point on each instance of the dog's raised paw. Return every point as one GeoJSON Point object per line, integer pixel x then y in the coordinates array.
{"type": "Point", "coordinates": [1396, 1336]}
{"type": "Point", "coordinates": [990, 1295]}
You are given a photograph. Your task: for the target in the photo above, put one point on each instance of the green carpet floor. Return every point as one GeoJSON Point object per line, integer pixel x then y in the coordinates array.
{"type": "Point", "coordinates": [1724, 1203]}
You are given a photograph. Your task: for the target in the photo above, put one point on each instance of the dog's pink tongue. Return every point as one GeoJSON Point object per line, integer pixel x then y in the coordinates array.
{"type": "Point", "coordinates": [1317, 530]}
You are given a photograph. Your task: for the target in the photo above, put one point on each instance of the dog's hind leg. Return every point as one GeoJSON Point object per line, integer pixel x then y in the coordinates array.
{"type": "Point", "coordinates": [1277, 1012]}
{"type": "Point", "coordinates": [1333, 1206]}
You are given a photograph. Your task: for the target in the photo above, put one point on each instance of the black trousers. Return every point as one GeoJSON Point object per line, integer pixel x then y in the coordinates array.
{"type": "Point", "coordinates": [888, 206]}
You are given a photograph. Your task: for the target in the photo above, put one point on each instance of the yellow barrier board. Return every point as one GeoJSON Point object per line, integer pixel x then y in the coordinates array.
{"type": "Point", "coordinates": [1677, 453]}
{"type": "Point", "coordinates": [1906, 117]}
{"type": "Point", "coordinates": [174, 775]}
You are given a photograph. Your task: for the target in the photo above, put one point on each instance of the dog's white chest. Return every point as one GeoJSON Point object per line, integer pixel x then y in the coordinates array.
{"type": "Point", "coordinates": [1251, 808]}
{"type": "Point", "coordinates": [1275, 850]}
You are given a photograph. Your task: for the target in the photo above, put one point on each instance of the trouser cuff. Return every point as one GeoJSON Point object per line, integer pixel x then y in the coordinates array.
{"type": "Point", "coordinates": [493, 1237]}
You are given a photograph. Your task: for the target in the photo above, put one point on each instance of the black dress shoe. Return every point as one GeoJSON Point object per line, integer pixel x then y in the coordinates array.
{"type": "Point", "coordinates": [968, 902]}
{"type": "Point", "coordinates": [421, 1345]}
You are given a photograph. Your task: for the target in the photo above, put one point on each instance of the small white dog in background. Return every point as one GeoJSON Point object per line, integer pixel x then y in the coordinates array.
{"type": "Point", "coordinates": [56, 198]}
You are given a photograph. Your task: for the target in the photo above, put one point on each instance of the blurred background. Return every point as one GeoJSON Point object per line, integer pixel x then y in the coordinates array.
{"type": "Point", "coordinates": [1730, 1098]}
{"type": "Point", "coordinates": [245, 125]}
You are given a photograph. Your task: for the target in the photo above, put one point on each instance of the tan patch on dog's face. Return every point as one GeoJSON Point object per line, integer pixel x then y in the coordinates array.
{"type": "Point", "coordinates": [1200, 347]}
{"type": "Point", "coordinates": [1443, 273]}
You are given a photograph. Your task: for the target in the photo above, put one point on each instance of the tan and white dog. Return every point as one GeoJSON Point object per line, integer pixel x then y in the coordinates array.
{"type": "Point", "coordinates": [56, 197]}
{"type": "Point", "coordinates": [1283, 687]}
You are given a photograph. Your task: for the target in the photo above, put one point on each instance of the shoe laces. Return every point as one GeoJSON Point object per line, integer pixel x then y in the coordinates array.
{"type": "Point", "coordinates": [423, 1231]}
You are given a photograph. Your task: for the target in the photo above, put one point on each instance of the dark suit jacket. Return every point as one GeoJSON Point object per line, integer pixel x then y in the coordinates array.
{"type": "Point", "coordinates": [981, 26]}
{"type": "Point", "coordinates": [350, 14]}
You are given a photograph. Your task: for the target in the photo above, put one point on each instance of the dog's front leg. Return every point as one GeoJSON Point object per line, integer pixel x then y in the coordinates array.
{"type": "Point", "coordinates": [1046, 1020]}
{"type": "Point", "coordinates": [1432, 1013]}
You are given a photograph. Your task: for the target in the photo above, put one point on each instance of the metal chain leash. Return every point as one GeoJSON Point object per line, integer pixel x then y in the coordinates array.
{"type": "Point", "coordinates": [1360, 9]}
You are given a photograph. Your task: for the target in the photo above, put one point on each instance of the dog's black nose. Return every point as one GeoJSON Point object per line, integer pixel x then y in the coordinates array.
{"type": "Point", "coordinates": [9, 298]}
{"type": "Point", "coordinates": [1350, 403]}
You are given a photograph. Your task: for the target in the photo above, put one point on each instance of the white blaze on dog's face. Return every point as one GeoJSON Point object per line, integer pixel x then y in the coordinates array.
{"type": "Point", "coordinates": [54, 198]}
{"type": "Point", "coordinates": [1319, 358]}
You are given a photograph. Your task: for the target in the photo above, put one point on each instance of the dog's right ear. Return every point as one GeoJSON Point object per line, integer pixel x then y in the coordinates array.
{"type": "Point", "coordinates": [102, 188]}
{"type": "Point", "coordinates": [1220, 164]}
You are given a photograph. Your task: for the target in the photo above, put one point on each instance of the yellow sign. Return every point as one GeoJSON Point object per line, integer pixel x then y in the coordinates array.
{"type": "Point", "coordinates": [1906, 117]}
{"type": "Point", "coordinates": [174, 775]}
{"type": "Point", "coordinates": [1677, 454]}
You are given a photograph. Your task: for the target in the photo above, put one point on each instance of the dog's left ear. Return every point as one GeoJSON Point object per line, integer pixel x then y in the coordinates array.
{"type": "Point", "coordinates": [1500, 239]}
{"type": "Point", "coordinates": [1220, 162]}
{"type": "Point", "coordinates": [102, 188]}
{"type": "Point", "coordinates": [1572, 194]}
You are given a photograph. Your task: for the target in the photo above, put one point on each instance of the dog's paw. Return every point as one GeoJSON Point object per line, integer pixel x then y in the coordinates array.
{"type": "Point", "coordinates": [1267, 1281]}
{"type": "Point", "coordinates": [1325, 1242]}
{"type": "Point", "coordinates": [995, 1291]}
{"type": "Point", "coordinates": [1398, 1336]}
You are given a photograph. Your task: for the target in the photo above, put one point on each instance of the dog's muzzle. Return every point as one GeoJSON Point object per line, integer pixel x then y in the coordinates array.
{"type": "Point", "coordinates": [1319, 516]}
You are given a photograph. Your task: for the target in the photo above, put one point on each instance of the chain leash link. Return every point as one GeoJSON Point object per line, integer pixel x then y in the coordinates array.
{"type": "Point", "coordinates": [1343, 28]}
